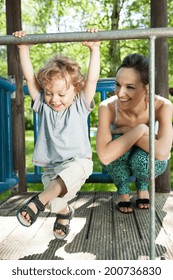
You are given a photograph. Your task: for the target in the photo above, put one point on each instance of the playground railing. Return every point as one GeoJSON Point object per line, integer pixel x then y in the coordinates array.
{"type": "Point", "coordinates": [8, 179]}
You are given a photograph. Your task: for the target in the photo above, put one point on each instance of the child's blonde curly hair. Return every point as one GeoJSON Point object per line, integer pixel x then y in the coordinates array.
{"type": "Point", "coordinates": [61, 67]}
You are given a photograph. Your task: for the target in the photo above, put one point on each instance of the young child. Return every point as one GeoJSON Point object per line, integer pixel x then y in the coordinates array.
{"type": "Point", "coordinates": [63, 99]}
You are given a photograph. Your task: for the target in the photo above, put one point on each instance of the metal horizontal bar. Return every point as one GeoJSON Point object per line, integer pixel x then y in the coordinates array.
{"type": "Point", "coordinates": [84, 36]}
{"type": "Point", "coordinates": [95, 177]}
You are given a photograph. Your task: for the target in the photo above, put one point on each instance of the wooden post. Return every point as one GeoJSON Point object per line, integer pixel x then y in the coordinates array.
{"type": "Point", "coordinates": [159, 19]}
{"type": "Point", "coordinates": [13, 19]}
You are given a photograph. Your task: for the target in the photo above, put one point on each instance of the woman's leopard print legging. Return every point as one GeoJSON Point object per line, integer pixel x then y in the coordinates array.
{"type": "Point", "coordinates": [134, 162]}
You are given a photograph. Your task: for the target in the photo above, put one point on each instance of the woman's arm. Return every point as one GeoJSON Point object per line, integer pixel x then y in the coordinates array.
{"type": "Point", "coordinates": [27, 67]}
{"type": "Point", "coordinates": [109, 150]}
{"type": "Point", "coordinates": [164, 137]}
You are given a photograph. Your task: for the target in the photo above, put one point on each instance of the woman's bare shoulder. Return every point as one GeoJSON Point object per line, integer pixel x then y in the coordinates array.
{"type": "Point", "coordinates": [109, 102]}
{"type": "Point", "coordinates": [163, 108]}
{"type": "Point", "coordinates": [161, 102]}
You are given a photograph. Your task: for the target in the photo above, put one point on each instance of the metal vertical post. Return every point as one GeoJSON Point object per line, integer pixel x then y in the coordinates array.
{"type": "Point", "coordinates": [152, 144]}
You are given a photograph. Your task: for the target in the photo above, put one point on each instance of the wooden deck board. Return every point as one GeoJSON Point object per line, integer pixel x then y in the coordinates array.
{"type": "Point", "coordinates": [99, 238]}
{"type": "Point", "coordinates": [98, 231]}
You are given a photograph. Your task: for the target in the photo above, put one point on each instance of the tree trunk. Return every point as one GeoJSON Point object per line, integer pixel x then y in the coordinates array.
{"type": "Point", "coordinates": [159, 19]}
{"type": "Point", "coordinates": [114, 50]}
{"type": "Point", "coordinates": [13, 19]}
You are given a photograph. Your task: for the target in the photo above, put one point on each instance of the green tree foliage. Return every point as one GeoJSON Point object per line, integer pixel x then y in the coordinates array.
{"type": "Point", "coordinates": [3, 49]}
{"type": "Point", "coordinates": [45, 16]}
{"type": "Point", "coordinates": [170, 42]}
{"type": "Point", "coordinates": [51, 16]}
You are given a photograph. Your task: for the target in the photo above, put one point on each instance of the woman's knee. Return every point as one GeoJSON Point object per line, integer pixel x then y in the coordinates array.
{"type": "Point", "coordinates": [140, 164]}
{"type": "Point", "coordinates": [160, 167]}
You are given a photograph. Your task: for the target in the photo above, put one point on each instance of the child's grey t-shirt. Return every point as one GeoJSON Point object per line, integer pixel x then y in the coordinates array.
{"type": "Point", "coordinates": [62, 135]}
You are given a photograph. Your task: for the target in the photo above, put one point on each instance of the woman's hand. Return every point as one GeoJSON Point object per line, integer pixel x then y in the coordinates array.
{"type": "Point", "coordinates": [121, 130]}
{"type": "Point", "coordinates": [125, 129]}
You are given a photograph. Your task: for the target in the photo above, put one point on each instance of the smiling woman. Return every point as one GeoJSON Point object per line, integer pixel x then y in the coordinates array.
{"type": "Point", "coordinates": [123, 132]}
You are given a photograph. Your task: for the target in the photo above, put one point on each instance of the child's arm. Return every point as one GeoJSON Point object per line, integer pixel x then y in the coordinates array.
{"type": "Point", "coordinates": [27, 67]}
{"type": "Point", "coordinates": [93, 69]}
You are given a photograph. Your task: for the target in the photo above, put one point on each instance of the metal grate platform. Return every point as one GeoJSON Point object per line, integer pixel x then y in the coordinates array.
{"type": "Point", "coordinates": [98, 231]}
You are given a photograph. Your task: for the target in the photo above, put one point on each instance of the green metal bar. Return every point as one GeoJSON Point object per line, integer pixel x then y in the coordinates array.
{"type": "Point", "coordinates": [152, 144]}
{"type": "Point", "coordinates": [83, 36]}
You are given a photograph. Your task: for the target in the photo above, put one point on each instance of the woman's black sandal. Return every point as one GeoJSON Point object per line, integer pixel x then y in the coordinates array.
{"type": "Point", "coordinates": [143, 201]}
{"type": "Point", "coordinates": [33, 216]}
{"type": "Point", "coordinates": [65, 228]}
{"type": "Point", "coordinates": [124, 204]}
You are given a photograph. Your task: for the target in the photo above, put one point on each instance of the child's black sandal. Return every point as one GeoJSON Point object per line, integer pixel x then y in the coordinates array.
{"type": "Point", "coordinates": [33, 216]}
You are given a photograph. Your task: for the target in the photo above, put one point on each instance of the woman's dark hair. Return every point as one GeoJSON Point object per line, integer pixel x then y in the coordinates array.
{"type": "Point", "coordinates": [138, 62]}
